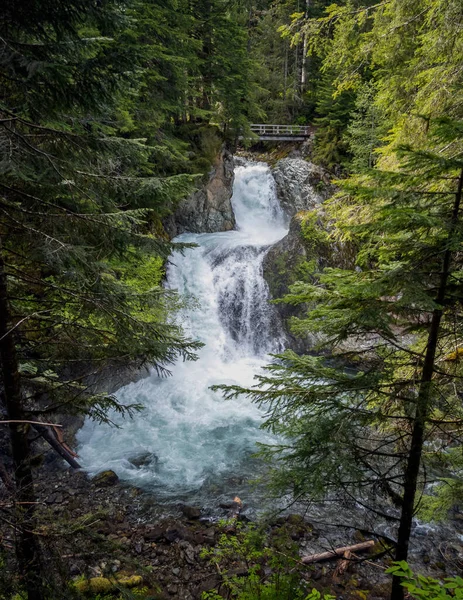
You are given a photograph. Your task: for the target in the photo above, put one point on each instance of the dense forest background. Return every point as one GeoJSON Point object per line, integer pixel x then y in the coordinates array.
{"type": "Point", "coordinates": [112, 112]}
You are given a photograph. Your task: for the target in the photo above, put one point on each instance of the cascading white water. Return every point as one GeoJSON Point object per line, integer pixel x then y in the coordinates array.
{"type": "Point", "coordinates": [188, 438]}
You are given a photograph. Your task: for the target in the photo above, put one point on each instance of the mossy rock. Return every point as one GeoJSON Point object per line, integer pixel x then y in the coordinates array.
{"type": "Point", "coordinates": [105, 479]}
{"type": "Point", "coordinates": [103, 585]}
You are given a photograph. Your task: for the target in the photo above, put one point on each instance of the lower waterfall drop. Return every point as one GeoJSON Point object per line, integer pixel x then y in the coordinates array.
{"type": "Point", "coordinates": [188, 442]}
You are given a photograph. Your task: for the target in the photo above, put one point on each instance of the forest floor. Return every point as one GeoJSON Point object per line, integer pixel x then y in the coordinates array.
{"type": "Point", "coordinates": [101, 527]}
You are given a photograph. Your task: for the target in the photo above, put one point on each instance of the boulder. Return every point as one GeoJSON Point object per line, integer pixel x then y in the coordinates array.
{"type": "Point", "coordinates": [208, 209]}
{"type": "Point", "coordinates": [105, 479]}
{"type": "Point", "coordinates": [143, 460]}
{"type": "Point", "coordinates": [191, 512]}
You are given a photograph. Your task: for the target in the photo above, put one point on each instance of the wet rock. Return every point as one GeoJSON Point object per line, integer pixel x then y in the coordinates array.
{"type": "Point", "coordinates": [142, 460]}
{"type": "Point", "coordinates": [208, 537]}
{"type": "Point", "coordinates": [299, 256]}
{"type": "Point", "coordinates": [137, 544]}
{"type": "Point", "coordinates": [191, 512]}
{"type": "Point", "coordinates": [238, 571]}
{"type": "Point", "coordinates": [174, 534]}
{"type": "Point", "coordinates": [188, 552]}
{"type": "Point", "coordinates": [301, 185]}
{"type": "Point", "coordinates": [115, 565]}
{"type": "Point", "coordinates": [208, 209]}
{"type": "Point", "coordinates": [154, 534]}
{"type": "Point", "coordinates": [55, 498]}
{"type": "Point", "coordinates": [209, 584]}
{"type": "Point", "coordinates": [105, 479]}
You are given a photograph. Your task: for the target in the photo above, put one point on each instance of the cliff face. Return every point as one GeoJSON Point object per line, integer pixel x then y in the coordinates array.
{"type": "Point", "coordinates": [208, 209]}
{"type": "Point", "coordinates": [302, 188]}
{"type": "Point", "coordinates": [300, 185]}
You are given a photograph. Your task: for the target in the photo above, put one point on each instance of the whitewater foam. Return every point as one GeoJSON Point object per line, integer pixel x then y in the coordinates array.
{"type": "Point", "coordinates": [187, 437]}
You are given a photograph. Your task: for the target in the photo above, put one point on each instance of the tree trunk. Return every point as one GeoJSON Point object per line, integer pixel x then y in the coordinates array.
{"type": "Point", "coordinates": [304, 51]}
{"type": "Point", "coordinates": [422, 407]}
{"type": "Point", "coordinates": [27, 547]}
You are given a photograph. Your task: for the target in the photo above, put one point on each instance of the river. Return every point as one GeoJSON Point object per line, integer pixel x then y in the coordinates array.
{"type": "Point", "coordinates": [189, 443]}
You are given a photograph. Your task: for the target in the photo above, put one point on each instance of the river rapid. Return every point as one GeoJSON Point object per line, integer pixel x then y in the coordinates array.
{"type": "Point", "coordinates": [189, 443]}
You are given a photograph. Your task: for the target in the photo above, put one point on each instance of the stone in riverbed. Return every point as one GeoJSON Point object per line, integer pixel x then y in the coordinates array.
{"type": "Point", "coordinates": [144, 459]}
{"type": "Point", "coordinates": [105, 479]}
{"type": "Point", "coordinates": [191, 512]}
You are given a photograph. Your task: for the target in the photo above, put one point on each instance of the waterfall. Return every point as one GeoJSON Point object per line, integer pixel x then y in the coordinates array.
{"type": "Point", "coordinates": [188, 440]}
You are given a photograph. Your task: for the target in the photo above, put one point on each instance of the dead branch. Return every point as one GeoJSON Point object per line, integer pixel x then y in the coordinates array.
{"type": "Point", "coordinates": [337, 553]}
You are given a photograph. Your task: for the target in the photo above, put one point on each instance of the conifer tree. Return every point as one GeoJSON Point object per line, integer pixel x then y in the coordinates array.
{"type": "Point", "coordinates": [367, 126]}
{"type": "Point", "coordinates": [333, 117]}
{"type": "Point", "coordinates": [80, 207]}
{"type": "Point", "coordinates": [395, 319]}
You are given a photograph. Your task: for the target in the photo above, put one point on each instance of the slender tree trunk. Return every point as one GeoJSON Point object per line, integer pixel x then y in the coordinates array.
{"type": "Point", "coordinates": [422, 407]}
{"type": "Point", "coordinates": [207, 53]}
{"type": "Point", "coordinates": [304, 51]}
{"type": "Point", "coordinates": [285, 75]}
{"type": "Point", "coordinates": [27, 547]}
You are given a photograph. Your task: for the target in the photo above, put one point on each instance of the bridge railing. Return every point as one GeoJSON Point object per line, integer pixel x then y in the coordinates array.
{"type": "Point", "coordinates": [265, 129]}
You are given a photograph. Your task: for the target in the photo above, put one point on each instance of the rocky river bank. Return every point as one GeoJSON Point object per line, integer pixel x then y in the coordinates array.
{"type": "Point", "coordinates": [103, 529]}
{"type": "Point", "coordinates": [99, 530]}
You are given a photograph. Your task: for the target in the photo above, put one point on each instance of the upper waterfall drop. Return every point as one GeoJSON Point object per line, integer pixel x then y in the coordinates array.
{"type": "Point", "coordinates": [188, 436]}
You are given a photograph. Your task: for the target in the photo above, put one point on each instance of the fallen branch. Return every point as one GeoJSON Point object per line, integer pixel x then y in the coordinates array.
{"type": "Point", "coordinates": [31, 422]}
{"type": "Point", "coordinates": [60, 448]}
{"type": "Point", "coordinates": [342, 567]}
{"type": "Point", "coordinates": [337, 553]}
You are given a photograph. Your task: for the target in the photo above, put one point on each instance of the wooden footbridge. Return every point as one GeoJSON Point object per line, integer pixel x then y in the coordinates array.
{"type": "Point", "coordinates": [281, 133]}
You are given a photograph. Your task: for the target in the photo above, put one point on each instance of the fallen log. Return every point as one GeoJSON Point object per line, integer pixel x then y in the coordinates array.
{"type": "Point", "coordinates": [60, 448]}
{"type": "Point", "coordinates": [342, 567]}
{"type": "Point", "coordinates": [337, 553]}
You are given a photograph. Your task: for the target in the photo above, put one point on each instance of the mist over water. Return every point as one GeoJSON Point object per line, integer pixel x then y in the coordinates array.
{"type": "Point", "coordinates": [188, 442]}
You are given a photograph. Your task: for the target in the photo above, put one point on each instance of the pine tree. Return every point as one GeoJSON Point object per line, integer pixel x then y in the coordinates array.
{"type": "Point", "coordinates": [333, 112]}
{"type": "Point", "coordinates": [359, 433]}
{"type": "Point", "coordinates": [79, 209]}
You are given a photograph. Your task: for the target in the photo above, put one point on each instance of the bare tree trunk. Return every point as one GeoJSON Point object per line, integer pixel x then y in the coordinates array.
{"type": "Point", "coordinates": [422, 407]}
{"type": "Point", "coordinates": [285, 74]}
{"type": "Point", "coordinates": [304, 51]}
{"type": "Point", "coordinates": [27, 547]}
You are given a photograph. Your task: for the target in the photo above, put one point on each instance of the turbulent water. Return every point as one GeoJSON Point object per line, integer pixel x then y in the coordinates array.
{"type": "Point", "coordinates": [189, 442]}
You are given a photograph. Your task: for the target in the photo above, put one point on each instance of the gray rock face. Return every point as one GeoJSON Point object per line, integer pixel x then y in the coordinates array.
{"type": "Point", "coordinates": [281, 269]}
{"type": "Point", "coordinates": [301, 185]}
{"type": "Point", "coordinates": [208, 209]}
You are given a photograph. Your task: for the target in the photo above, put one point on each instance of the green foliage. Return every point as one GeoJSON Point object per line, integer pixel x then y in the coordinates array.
{"type": "Point", "coordinates": [427, 588]}
{"type": "Point", "coordinates": [313, 234]}
{"type": "Point", "coordinates": [366, 129]}
{"type": "Point", "coordinates": [372, 323]}
{"type": "Point", "coordinates": [333, 112]}
{"type": "Point", "coordinates": [248, 546]}
{"type": "Point", "coordinates": [447, 491]}
{"type": "Point", "coordinates": [409, 50]}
